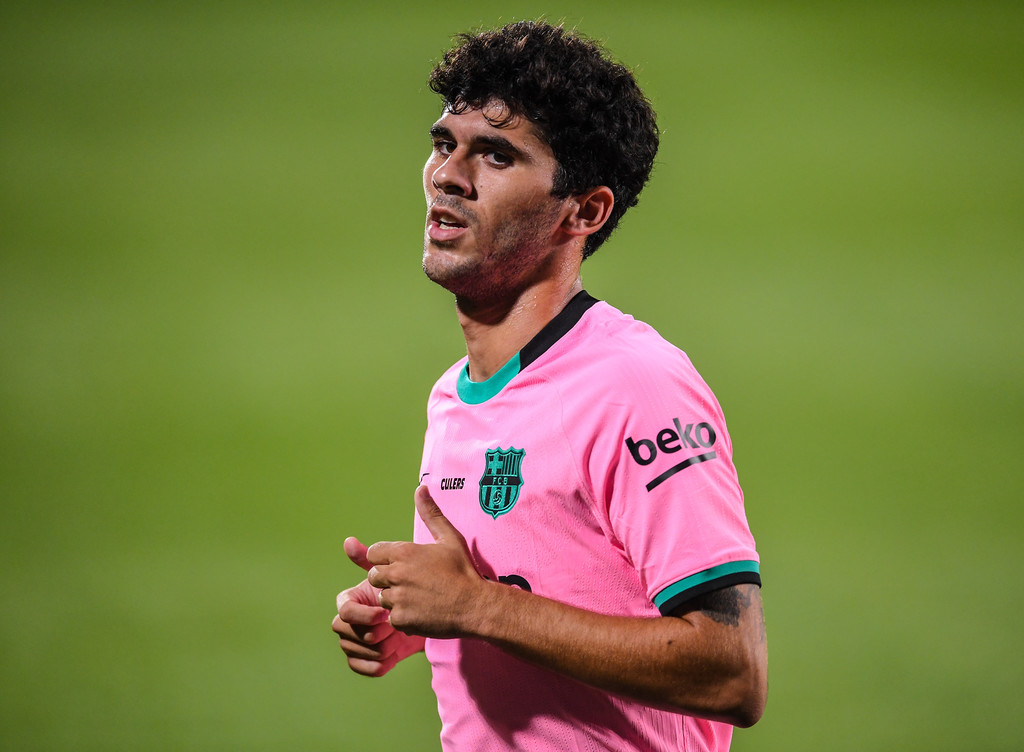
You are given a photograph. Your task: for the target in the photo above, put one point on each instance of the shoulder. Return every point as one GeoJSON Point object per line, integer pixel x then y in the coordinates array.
{"type": "Point", "coordinates": [631, 386]}
{"type": "Point", "coordinates": [630, 357]}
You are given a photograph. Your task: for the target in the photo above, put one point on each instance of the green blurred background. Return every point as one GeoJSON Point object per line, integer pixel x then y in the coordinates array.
{"type": "Point", "coordinates": [216, 345]}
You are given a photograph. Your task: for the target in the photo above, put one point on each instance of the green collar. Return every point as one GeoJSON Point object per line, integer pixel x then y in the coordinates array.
{"type": "Point", "coordinates": [478, 392]}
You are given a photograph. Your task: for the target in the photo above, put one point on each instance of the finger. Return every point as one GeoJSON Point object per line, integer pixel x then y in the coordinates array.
{"type": "Point", "coordinates": [363, 658]}
{"type": "Point", "coordinates": [373, 668]}
{"type": "Point", "coordinates": [366, 642]}
{"type": "Point", "coordinates": [433, 517]}
{"type": "Point", "coordinates": [352, 634]}
{"type": "Point", "coordinates": [360, 606]}
{"type": "Point", "coordinates": [356, 649]}
{"type": "Point", "coordinates": [380, 553]}
{"type": "Point", "coordinates": [356, 551]}
{"type": "Point", "coordinates": [363, 615]}
{"type": "Point", "coordinates": [363, 593]}
{"type": "Point", "coordinates": [381, 577]}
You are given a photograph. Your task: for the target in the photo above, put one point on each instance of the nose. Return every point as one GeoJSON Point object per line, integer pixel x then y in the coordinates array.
{"type": "Point", "coordinates": [451, 177]}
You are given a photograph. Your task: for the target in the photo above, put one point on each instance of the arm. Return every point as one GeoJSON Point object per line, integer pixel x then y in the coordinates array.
{"type": "Point", "coordinates": [372, 644]}
{"type": "Point", "coordinates": [708, 659]}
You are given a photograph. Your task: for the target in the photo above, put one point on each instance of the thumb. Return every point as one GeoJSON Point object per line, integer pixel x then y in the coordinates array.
{"type": "Point", "coordinates": [356, 551]}
{"type": "Point", "coordinates": [434, 518]}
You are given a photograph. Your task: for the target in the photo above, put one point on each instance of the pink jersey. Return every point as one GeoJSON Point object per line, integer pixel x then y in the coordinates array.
{"type": "Point", "coordinates": [594, 469]}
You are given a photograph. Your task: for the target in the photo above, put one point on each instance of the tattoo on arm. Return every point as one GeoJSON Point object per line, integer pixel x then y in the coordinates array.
{"type": "Point", "coordinates": [724, 606]}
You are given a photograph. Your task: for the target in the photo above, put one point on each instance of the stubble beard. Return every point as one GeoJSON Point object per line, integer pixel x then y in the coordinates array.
{"type": "Point", "coordinates": [507, 263]}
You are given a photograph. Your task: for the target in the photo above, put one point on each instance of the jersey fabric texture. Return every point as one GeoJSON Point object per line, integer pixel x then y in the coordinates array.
{"type": "Point", "coordinates": [594, 469]}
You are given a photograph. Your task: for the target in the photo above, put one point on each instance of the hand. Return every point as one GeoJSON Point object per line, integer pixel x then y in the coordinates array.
{"type": "Point", "coordinates": [430, 589]}
{"type": "Point", "coordinates": [372, 644]}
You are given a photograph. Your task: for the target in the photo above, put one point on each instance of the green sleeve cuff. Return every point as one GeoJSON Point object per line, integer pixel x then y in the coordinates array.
{"type": "Point", "coordinates": [724, 575]}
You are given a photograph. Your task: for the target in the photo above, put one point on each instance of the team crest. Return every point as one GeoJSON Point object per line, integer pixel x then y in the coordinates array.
{"type": "Point", "coordinates": [501, 481]}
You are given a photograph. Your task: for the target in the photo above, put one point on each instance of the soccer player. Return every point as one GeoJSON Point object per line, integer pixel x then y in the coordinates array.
{"type": "Point", "coordinates": [581, 575]}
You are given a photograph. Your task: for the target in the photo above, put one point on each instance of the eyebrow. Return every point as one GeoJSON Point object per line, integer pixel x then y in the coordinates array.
{"type": "Point", "coordinates": [497, 142]}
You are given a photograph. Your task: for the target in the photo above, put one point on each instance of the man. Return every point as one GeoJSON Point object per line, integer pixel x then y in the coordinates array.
{"type": "Point", "coordinates": [582, 574]}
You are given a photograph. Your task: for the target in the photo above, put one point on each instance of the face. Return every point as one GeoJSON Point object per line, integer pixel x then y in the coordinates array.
{"type": "Point", "coordinates": [491, 219]}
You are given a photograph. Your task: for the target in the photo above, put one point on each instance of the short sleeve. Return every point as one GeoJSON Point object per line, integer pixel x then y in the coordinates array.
{"type": "Point", "coordinates": [663, 475]}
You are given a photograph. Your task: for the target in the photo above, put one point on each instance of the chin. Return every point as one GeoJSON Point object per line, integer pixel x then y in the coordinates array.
{"type": "Point", "coordinates": [446, 258]}
{"type": "Point", "coordinates": [440, 267]}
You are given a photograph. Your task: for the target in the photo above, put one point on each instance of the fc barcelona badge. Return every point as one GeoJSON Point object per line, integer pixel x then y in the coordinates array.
{"type": "Point", "coordinates": [499, 486]}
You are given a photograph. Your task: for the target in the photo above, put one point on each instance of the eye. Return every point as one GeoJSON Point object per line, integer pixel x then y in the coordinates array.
{"type": "Point", "coordinates": [498, 159]}
{"type": "Point", "coordinates": [444, 148]}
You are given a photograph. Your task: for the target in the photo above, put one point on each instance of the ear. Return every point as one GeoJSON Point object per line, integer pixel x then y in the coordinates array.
{"type": "Point", "coordinates": [590, 211]}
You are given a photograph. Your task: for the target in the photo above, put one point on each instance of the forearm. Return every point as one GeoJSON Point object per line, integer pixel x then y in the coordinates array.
{"type": "Point", "coordinates": [709, 661]}
{"type": "Point", "coordinates": [691, 664]}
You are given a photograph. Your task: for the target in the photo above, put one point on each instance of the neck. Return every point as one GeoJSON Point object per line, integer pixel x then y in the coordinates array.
{"type": "Point", "coordinates": [496, 330]}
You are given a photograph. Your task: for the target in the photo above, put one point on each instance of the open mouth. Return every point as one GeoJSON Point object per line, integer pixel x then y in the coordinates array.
{"type": "Point", "coordinates": [443, 225]}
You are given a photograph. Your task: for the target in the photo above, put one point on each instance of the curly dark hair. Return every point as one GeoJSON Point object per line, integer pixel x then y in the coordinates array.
{"type": "Point", "coordinates": [587, 107]}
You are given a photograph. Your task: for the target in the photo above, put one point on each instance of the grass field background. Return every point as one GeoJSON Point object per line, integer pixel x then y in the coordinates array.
{"type": "Point", "coordinates": [216, 345]}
